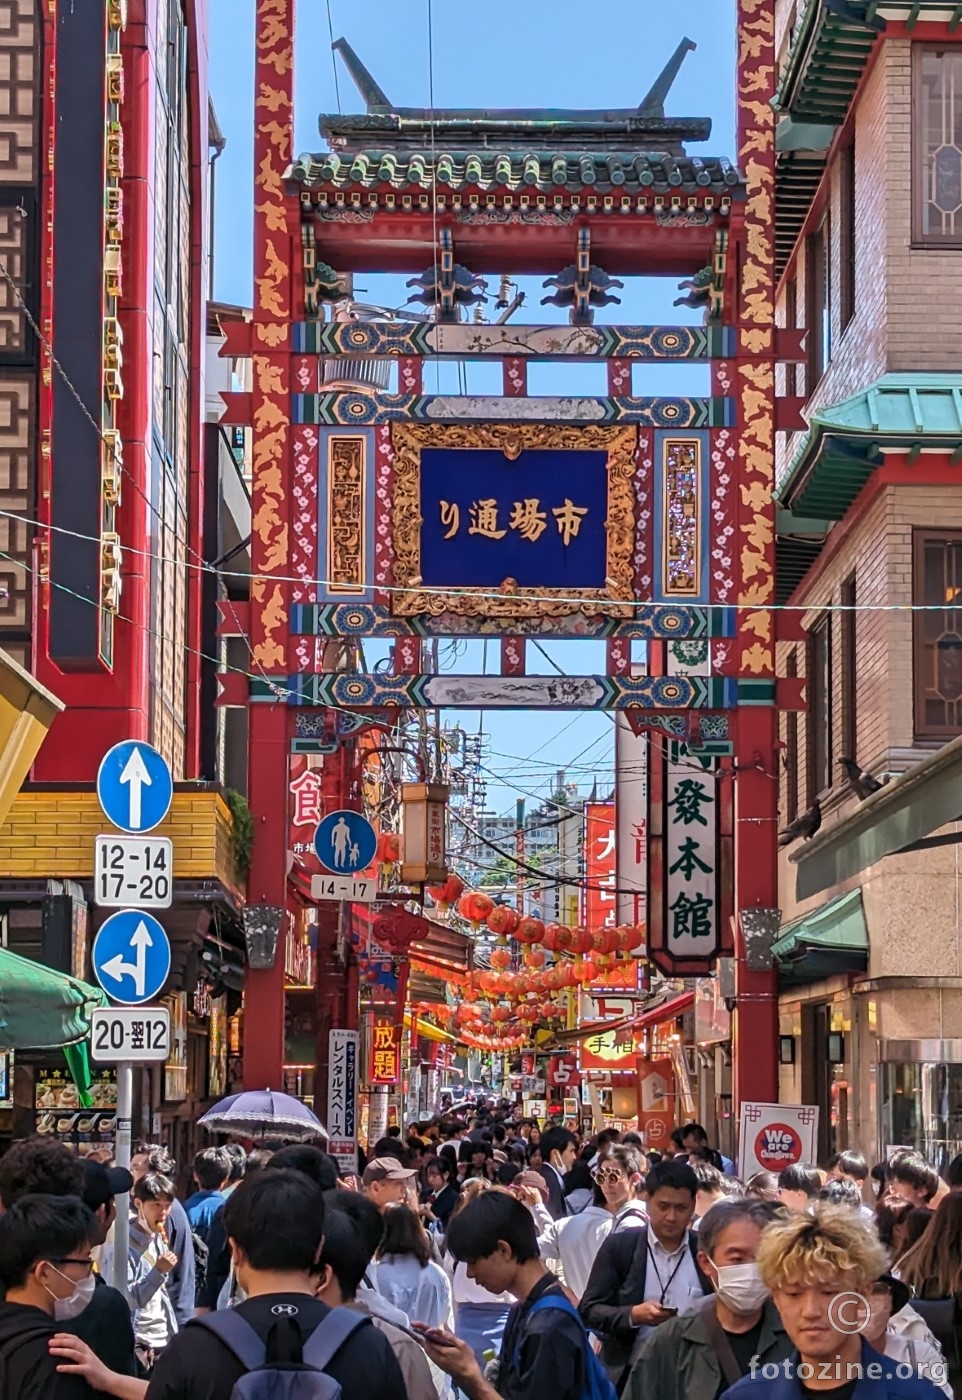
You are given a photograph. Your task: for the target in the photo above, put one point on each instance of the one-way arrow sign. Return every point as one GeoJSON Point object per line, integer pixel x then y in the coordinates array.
{"type": "Point", "coordinates": [134, 786]}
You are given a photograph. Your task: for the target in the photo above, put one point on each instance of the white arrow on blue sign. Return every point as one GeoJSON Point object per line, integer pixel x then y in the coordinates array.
{"type": "Point", "coordinates": [345, 842]}
{"type": "Point", "coordinates": [134, 786]}
{"type": "Point", "coordinates": [131, 957]}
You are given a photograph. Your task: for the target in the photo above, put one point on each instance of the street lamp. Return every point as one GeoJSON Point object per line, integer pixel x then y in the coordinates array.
{"type": "Point", "coordinates": [424, 834]}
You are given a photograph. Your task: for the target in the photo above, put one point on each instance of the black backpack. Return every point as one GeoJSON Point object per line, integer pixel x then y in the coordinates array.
{"type": "Point", "coordinates": [201, 1256]}
{"type": "Point", "coordinates": [284, 1380]}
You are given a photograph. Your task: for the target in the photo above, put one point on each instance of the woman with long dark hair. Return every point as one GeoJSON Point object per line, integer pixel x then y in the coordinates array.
{"type": "Point", "coordinates": [405, 1274]}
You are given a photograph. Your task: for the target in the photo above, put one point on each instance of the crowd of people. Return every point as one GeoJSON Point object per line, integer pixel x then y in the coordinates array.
{"type": "Point", "coordinates": [478, 1257]}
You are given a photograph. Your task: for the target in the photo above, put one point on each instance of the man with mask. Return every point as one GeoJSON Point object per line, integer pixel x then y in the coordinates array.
{"type": "Point", "coordinates": [45, 1269]}
{"type": "Point", "coordinates": [99, 1314]}
{"type": "Point", "coordinates": [559, 1149]}
{"type": "Point", "coordinates": [699, 1355]}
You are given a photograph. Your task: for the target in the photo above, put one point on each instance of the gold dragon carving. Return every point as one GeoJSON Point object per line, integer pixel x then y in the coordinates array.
{"type": "Point", "coordinates": [620, 445]}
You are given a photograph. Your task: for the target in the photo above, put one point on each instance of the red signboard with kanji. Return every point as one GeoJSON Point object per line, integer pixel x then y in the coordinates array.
{"type": "Point", "coordinates": [385, 1066]}
{"type": "Point", "coordinates": [305, 810]}
{"type": "Point", "coordinates": [600, 880]}
{"type": "Point", "coordinates": [563, 1072]}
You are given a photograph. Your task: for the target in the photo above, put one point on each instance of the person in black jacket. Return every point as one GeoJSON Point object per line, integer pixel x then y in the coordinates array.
{"type": "Point", "coordinates": [559, 1151]}
{"type": "Point", "coordinates": [641, 1278]}
{"type": "Point", "coordinates": [42, 1165]}
{"type": "Point", "coordinates": [440, 1178]}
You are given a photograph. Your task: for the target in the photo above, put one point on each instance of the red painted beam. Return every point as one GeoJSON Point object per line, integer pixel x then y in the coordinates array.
{"type": "Point", "coordinates": [239, 341]}
{"type": "Point", "coordinates": [232, 688]}
{"type": "Point", "coordinates": [235, 619]}
{"type": "Point", "coordinates": [239, 410]}
{"type": "Point", "coordinates": [788, 415]}
{"type": "Point", "coordinates": [790, 344]}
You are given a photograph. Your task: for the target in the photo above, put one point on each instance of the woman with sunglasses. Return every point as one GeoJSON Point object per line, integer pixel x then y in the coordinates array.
{"type": "Point", "coordinates": [617, 1204]}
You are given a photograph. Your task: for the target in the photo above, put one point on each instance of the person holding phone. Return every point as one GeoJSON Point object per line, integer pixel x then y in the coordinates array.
{"type": "Point", "coordinates": [641, 1278]}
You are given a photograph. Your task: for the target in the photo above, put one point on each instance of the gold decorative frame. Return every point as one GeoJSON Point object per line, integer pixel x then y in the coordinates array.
{"type": "Point", "coordinates": [620, 444]}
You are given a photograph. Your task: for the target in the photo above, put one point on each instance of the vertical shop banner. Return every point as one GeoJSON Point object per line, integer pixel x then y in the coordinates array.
{"type": "Point", "coordinates": [342, 1099]}
{"type": "Point", "coordinates": [600, 877]}
{"type": "Point", "coordinates": [773, 1136]}
{"type": "Point", "coordinates": [631, 809]}
{"type": "Point", "coordinates": [305, 810]}
{"type": "Point", "coordinates": [385, 1067]}
{"type": "Point", "coordinates": [656, 1102]}
{"type": "Point", "coordinates": [691, 860]}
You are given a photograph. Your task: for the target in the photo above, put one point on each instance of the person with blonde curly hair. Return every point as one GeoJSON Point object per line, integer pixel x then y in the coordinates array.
{"type": "Point", "coordinates": [821, 1269]}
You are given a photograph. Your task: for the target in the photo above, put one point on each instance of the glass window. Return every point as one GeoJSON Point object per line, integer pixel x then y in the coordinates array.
{"type": "Point", "coordinates": [820, 711]}
{"type": "Point", "coordinates": [818, 311]}
{"type": "Point", "coordinates": [937, 145]}
{"type": "Point", "coordinates": [937, 592]}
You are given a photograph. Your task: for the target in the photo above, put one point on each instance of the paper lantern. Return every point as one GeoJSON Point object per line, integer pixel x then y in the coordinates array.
{"type": "Point", "coordinates": [389, 847]}
{"type": "Point", "coordinates": [503, 920]}
{"type": "Point", "coordinates": [529, 930]}
{"type": "Point", "coordinates": [534, 957]}
{"type": "Point", "coordinates": [500, 957]}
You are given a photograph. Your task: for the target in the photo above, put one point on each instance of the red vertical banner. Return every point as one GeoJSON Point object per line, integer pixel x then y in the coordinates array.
{"type": "Point", "coordinates": [385, 1065]}
{"type": "Point", "coordinates": [656, 1101]}
{"type": "Point", "coordinates": [600, 866]}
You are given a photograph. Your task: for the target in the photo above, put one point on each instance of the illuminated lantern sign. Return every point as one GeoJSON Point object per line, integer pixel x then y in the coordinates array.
{"type": "Point", "coordinates": [385, 1065]}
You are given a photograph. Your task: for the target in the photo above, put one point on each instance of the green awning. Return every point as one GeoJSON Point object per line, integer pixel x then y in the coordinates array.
{"type": "Point", "coordinates": [829, 940]}
{"type": "Point", "coordinates": [41, 1009]}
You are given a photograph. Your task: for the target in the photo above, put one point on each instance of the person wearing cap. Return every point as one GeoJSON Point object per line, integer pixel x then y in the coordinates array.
{"type": "Point", "coordinates": [387, 1182]}
{"type": "Point", "coordinates": [896, 1330]}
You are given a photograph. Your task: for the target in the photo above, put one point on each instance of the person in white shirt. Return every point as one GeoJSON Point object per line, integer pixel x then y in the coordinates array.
{"type": "Point", "coordinates": [617, 1205]}
{"type": "Point", "coordinates": [906, 1340]}
{"type": "Point", "coordinates": [405, 1274]}
{"type": "Point", "coordinates": [641, 1278]}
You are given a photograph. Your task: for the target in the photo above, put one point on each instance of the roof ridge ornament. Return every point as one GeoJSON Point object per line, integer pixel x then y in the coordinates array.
{"type": "Point", "coordinates": [653, 105]}
{"type": "Point", "coordinates": [374, 96]}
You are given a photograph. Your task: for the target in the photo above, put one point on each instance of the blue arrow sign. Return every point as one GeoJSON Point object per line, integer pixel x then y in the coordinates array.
{"type": "Point", "coordinates": [134, 786]}
{"type": "Point", "coordinates": [345, 842]}
{"type": "Point", "coordinates": [131, 957]}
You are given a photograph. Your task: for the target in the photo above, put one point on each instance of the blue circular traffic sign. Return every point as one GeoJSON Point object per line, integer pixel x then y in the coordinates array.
{"type": "Point", "coordinates": [345, 843]}
{"type": "Point", "coordinates": [131, 957]}
{"type": "Point", "coordinates": [134, 786]}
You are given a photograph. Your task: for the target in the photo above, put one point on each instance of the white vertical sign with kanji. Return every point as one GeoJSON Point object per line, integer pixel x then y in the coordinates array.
{"type": "Point", "coordinates": [631, 814]}
{"type": "Point", "coordinates": [691, 861]}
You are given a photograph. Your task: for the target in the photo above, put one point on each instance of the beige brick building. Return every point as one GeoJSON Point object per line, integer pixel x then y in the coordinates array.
{"type": "Point", "coordinates": [869, 217]}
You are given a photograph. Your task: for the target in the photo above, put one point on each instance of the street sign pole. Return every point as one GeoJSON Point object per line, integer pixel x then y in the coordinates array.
{"type": "Point", "coordinates": [125, 1108]}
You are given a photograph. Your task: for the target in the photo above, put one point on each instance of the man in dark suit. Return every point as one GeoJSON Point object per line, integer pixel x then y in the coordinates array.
{"type": "Point", "coordinates": [559, 1149]}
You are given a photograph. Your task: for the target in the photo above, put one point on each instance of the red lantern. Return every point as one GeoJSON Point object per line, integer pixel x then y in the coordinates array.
{"type": "Point", "coordinates": [580, 940]}
{"type": "Point", "coordinates": [389, 847]}
{"type": "Point", "coordinates": [500, 958]}
{"type": "Point", "coordinates": [559, 935]}
{"type": "Point", "coordinates": [534, 958]}
{"type": "Point", "coordinates": [530, 930]}
{"type": "Point", "coordinates": [591, 973]}
{"type": "Point", "coordinates": [503, 920]}
{"type": "Point", "coordinates": [447, 894]}
{"type": "Point", "coordinates": [488, 981]}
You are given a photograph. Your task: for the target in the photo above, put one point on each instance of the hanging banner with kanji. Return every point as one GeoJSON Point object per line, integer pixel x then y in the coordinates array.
{"type": "Point", "coordinates": [385, 1067]}
{"type": "Point", "coordinates": [631, 804]}
{"type": "Point", "coordinates": [691, 860]}
{"type": "Point", "coordinates": [305, 810]}
{"type": "Point", "coordinates": [600, 878]}
{"type": "Point", "coordinates": [607, 1049]}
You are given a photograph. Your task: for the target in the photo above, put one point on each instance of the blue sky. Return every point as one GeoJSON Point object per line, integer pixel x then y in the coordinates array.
{"type": "Point", "coordinates": [506, 53]}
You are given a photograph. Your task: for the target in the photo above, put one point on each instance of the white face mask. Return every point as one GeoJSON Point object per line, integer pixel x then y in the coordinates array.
{"type": "Point", "coordinates": [73, 1305]}
{"type": "Point", "coordinates": [740, 1287]}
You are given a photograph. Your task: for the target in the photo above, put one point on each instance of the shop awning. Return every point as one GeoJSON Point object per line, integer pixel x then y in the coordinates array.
{"type": "Point", "coordinates": [424, 1028]}
{"type": "Point", "coordinates": [827, 941]}
{"type": "Point", "coordinates": [901, 816]}
{"type": "Point", "coordinates": [41, 1009]}
{"type": "Point", "coordinates": [666, 1012]}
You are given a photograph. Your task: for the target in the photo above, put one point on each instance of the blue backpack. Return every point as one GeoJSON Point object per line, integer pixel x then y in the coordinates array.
{"type": "Point", "coordinates": [597, 1385]}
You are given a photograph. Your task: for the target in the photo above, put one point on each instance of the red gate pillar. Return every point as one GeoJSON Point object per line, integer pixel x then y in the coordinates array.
{"type": "Point", "coordinates": [755, 1035]}
{"type": "Point", "coordinates": [270, 485]}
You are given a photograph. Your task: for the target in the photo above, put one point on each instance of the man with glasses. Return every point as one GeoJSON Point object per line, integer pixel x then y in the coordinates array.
{"type": "Point", "coordinates": [46, 1272]}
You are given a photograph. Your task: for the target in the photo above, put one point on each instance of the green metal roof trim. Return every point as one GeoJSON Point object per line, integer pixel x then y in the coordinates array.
{"type": "Point", "coordinates": [829, 940]}
{"type": "Point", "coordinates": [542, 172]}
{"type": "Point", "coordinates": [41, 1009]}
{"type": "Point", "coordinates": [842, 447]}
{"type": "Point", "coordinates": [905, 810]}
{"type": "Point", "coordinates": [830, 47]}
{"type": "Point", "coordinates": [826, 59]}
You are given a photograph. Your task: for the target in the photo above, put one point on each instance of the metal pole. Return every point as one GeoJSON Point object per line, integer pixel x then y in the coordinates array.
{"type": "Point", "coordinates": [125, 1098]}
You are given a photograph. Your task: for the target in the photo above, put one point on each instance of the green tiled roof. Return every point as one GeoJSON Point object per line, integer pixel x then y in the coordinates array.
{"type": "Point", "coordinates": [830, 47]}
{"type": "Point", "coordinates": [843, 444]}
{"type": "Point", "coordinates": [831, 939]}
{"type": "Point", "coordinates": [541, 172]}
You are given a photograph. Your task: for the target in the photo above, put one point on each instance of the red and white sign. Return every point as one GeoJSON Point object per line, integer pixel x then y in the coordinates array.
{"type": "Point", "coordinates": [656, 1101]}
{"type": "Point", "coordinates": [631, 805]}
{"type": "Point", "coordinates": [773, 1136]}
{"type": "Point", "coordinates": [600, 876]}
{"type": "Point", "coordinates": [563, 1072]}
{"type": "Point", "coordinates": [305, 810]}
{"type": "Point", "coordinates": [604, 1049]}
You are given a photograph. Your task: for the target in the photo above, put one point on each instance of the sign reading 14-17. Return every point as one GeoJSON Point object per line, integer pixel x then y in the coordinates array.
{"type": "Point", "coordinates": [131, 957]}
{"type": "Point", "coordinates": [134, 786]}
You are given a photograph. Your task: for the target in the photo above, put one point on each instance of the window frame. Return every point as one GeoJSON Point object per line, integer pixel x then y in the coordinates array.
{"type": "Point", "coordinates": [920, 239]}
{"type": "Point", "coordinates": [848, 617]}
{"type": "Point", "coordinates": [921, 536]}
{"type": "Point", "coordinates": [791, 745]}
{"type": "Point", "coordinates": [820, 705]}
{"type": "Point", "coordinates": [818, 304]}
{"type": "Point", "coordinates": [847, 241]}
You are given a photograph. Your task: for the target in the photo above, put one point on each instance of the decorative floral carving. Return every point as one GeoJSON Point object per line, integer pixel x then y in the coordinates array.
{"type": "Point", "coordinates": [512, 440]}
